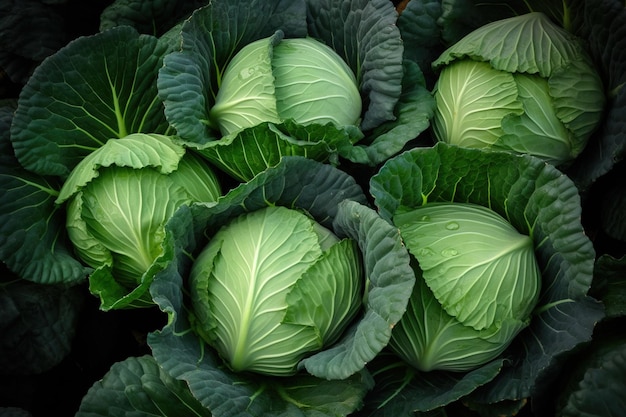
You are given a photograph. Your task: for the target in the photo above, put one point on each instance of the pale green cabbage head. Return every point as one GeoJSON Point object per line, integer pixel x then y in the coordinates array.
{"type": "Point", "coordinates": [477, 283]}
{"type": "Point", "coordinates": [121, 195]}
{"type": "Point", "coordinates": [521, 84]}
{"type": "Point", "coordinates": [274, 79]}
{"type": "Point", "coordinates": [273, 286]}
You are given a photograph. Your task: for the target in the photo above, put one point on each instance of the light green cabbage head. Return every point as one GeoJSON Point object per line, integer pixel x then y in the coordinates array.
{"type": "Point", "coordinates": [275, 79]}
{"type": "Point", "coordinates": [121, 195]}
{"type": "Point", "coordinates": [273, 286]}
{"type": "Point", "coordinates": [478, 282]}
{"type": "Point", "coordinates": [521, 84]}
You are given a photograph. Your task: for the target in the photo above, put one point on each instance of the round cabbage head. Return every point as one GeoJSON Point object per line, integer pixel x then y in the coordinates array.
{"type": "Point", "coordinates": [274, 79]}
{"type": "Point", "coordinates": [120, 197]}
{"type": "Point", "coordinates": [273, 286]}
{"type": "Point", "coordinates": [521, 84]}
{"type": "Point", "coordinates": [478, 282]}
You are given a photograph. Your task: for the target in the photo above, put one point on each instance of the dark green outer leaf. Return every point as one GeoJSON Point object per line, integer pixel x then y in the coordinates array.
{"type": "Point", "coordinates": [391, 280]}
{"type": "Point", "coordinates": [421, 34]}
{"type": "Point", "coordinates": [33, 241]}
{"type": "Point", "coordinates": [596, 382]}
{"type": "Point", "coordinates": [414, 110]}
{"type": "Point", "coordinates": [609, 284]}
{"type": "Point", "coordinates": [152, 17]}
{"type": "Point", "coordinates": [190, 78]}
{"type": "Point", "coordinates": [255, 149]}
{"type": "Point", "coordinates": [539, 201]}
{"type": "Point", "coordinates": [402, 390]}
{"type": "Point", "coordinates": [370, 43]}
{"type": "Point", "coordinates": [604, 29]}
{"type": "Point", "coordinates": [38, 324]}
{"type": "Point", "coordinates": [137, 386]}
{"type": "Point", "coordinates": [95, 88]}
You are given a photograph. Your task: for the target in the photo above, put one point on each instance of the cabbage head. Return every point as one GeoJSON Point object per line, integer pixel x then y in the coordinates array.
{"type": "Point", "coordinates": [273, 286]}
{"type": "Point", "coordinates": [478, 282]}
{"type": "Point", "coordinates": [521, 84]}
{"type": "Point", "coordinates": [275, 79]}
{"type": "Point", "coordinates": [121, 195]}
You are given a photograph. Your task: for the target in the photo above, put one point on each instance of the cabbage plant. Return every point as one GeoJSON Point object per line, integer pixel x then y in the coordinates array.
{"type": "Point", "coordinates": [273, 286]}
{"type": "Point", "coordinates": [502, 267]}
{"type": "Point", "coordinates": [119, 198]}
{"type": "Point", "coordinates": [521, 84]}
{"type": "Point", "coordinates": [274, 79]}
{"type": "Point", "coordinates": [478, 282]}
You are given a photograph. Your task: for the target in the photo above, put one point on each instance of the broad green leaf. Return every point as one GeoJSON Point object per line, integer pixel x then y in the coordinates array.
{"type": "Point", "coordinates": [538, 200]}
{"type": "Point", "coordinates": [190, 78]}
{"type": "Point", "coordinates": [389, 285]}
{"type": "Point", "coordinates": [609, 284]}
{"type": "Point", "coordinates": [507, 45]}
{"type": "Point", "coordinates": [309, 302]}
{"type": "Point", "coordinates": [414, 110]}
{"type": "Point", "coordinates": [465, 93]}
{"type": "Point", "coordinates": [370, 44]}
{"type": "Point", "coordinates": [33, 242]}
{"type": "Point", "coordinates": [401, 390]}
{"type": "Point", "coordinates": [134, 151]}
{"type": "Point", "coordinates": [595, 384]}
{"type": "Point", "coordinates": [247, 153]}
{"type": "Point", "coordinates": [139, 386]}
{"type": "Point", "coordinates": [96, 88]}
{"type": "Point", "coordinates": [421, 33]}
{"type": "Point", "coordinates": [153, 17]}
{"type": "Point", "coordinates": [38, 323]}
{"type": "Point", "coordinates": [259, 258]}
{"type": "Point", "coordinates": [477, 265]}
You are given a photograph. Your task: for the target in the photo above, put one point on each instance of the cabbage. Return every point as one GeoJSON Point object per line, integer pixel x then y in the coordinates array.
{"type": "Point", "coordinates": [273, 286]}
{"type": "Point", "coordinates": [119, 198]}
{"type": "Point", "coordinates": [275, 79]}
{"type": "Point", "coordinates": [521, 84]}
{"type": "Point", "coordinates": [478, 282]}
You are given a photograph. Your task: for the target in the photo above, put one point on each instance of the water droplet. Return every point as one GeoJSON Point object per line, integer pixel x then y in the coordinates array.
{"type": "Point", "coordinates": [246, 73]}
{"type": "Point", "coordinates": [425, 218]}
{"type": "Point", "coordinates": [425, 252]}
{"type": "Point", "coordinates": [452, 226]}
{"type": "Point", "coordinates": [450, 252]}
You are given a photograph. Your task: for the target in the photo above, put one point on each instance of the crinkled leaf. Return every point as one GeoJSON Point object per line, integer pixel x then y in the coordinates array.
{"type": "Point", "coordinates": [370, 44]}
{"type": "Point", "coordinates": [23, 48]}
{"type": "Point", "coordinates": [596, 380]}
{"type": "Point", "coordinates": [401, 390]}
{"type": "Point", "coordinates": [529, 43]}
{"type": "Point", "coordinates": [414, 110]}
{"type": "Point", "coordinates": [95, 88]}
{"type": "Point", "coordinates": [604, 29]}
{"type": "Point", "coordinates": [139, 386]}
{"type": "Point", "coordinates": [133, 151]}
{"type": "Point", "coordinates": [245, 154]}
{"type": "Point", "coordinates": [609, 284]}
{"type": "Point", "coordinates": [390, 281]}
{"type": "Point", "coordinates": [33, 241]}
{"type": "Point", "coordinates": [38, 323]}
{"type": "Point", "coordinates": [153, 17]}
{"type": "Point", "coordinates": [190, 78]}
{"type": "Point", "coordinates": [421, 33]}
{"type": "Point", "coordinates": [537, 200]}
